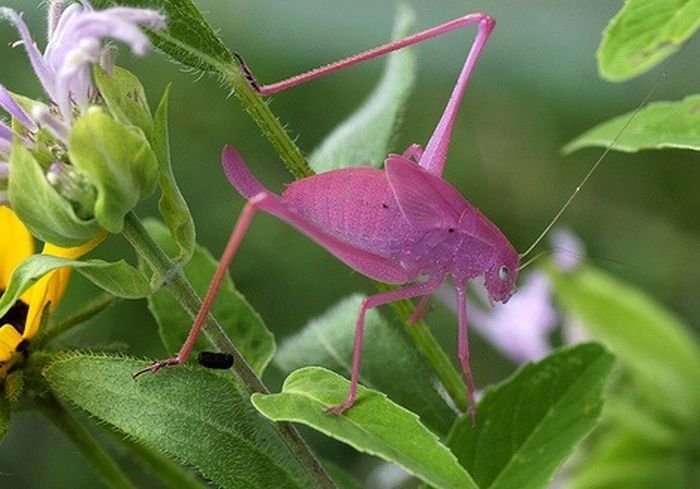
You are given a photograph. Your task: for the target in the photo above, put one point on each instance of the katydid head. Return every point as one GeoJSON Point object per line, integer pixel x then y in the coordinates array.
{"type": "Point", "coordinates": [499, 278]}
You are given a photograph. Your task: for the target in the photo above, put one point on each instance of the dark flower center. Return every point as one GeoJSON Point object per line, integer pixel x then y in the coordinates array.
{"type": "Point", "coordinates": [16, 315]}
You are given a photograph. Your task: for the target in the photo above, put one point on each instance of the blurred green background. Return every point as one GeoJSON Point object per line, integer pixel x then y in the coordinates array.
{"type": "Point", "coordinates": [535, 88]}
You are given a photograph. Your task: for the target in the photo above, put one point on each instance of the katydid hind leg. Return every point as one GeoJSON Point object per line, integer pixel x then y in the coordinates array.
{"type": "Point", "coordinates": [433, 159]}
{"type": "Point", "coordinates": [408, 292]}
{"type": "Point", "coordinates": [293, 207]}
{"type": "Point", "coordinates": [234, 242]}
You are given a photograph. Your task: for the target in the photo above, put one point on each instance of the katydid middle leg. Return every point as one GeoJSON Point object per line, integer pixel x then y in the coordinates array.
{"type": "Point", "coordinates": [414, 290]}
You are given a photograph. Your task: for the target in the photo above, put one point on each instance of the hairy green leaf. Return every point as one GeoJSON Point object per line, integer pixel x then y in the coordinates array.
{"type": "Point", "coordinates": [327, 341]}
{"type": "Point", "coordinates": [118, 278]}
{"type": "Point", "coordinates": [161, 465]}
{"type": "Point", "coordinates": [657, 126]}
{"type": "Point", "coordinates": [649, 340]}
{"type": "Point", "coordinates": [188, 38]}
{"type": "Point", "coordinates": [644, 33]}
{"type": "Point", "coordinates": [119, 162]}
{"type": "Point", "coordinates": [172, 205]}
{"type": "Point", "coordinates": [124, 96]}
{"type": "Point", "coordinates": [529, 424]}
{"type": "Point", "coordinates": [365, 136]}
{"type": "Point", "coordinates": [374, 425]}
{"type": "Point", "coordinates": [201, 418]}
{"type": "Point", "coordinates": [238, 318]}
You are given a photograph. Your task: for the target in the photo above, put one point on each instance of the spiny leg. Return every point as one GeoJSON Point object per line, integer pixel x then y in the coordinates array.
{"type": "Point", "coordinates": [376, 300]}
{"type": "Point", "coordinates": [234, 242]}
{"type": "Point", "coordinates": [463, 346]}
{"type": "Point", "coordinates": [433, 159]}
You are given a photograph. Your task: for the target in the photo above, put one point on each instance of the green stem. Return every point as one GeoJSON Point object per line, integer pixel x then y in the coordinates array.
{"type": "Point", "coordinates": [101, 461]}
{"type": "Point", "coordinates": [178, 285]}
{"type": "Point", "coordinates": [433, 353]}
{"type": "Point", "coordinates": [270, 125]}
{"type": "Point", "coordinates": [297, 165]}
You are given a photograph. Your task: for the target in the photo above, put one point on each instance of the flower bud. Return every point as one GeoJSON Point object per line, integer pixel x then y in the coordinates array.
{"type": "Point", "coordinates": [117, 159]}
{"type": "Point", "coordinates": [49, 215]}
{"type": "Point", "coordinates": [73, 187]}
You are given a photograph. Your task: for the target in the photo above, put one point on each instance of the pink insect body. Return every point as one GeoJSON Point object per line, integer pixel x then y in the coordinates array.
{"type": "Point", "coordinates": [401, 225]}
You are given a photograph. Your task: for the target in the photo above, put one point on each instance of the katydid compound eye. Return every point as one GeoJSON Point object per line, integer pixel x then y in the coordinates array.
{"type": "Point", "coordinates": [503, 272]}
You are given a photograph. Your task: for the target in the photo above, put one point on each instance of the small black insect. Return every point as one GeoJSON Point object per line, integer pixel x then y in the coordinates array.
{"type": "Point", "coordinates": [210, 359]}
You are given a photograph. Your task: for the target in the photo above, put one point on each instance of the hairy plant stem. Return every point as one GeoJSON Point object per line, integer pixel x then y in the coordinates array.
{"type": "Point", "coordinates": [295, 162]}
{"type": "Point", "coordinates": [178, 285]}
{"type": "Point", "coordinates": [97, 457]}
{"type": "Point", "coordinates": [270, 125]}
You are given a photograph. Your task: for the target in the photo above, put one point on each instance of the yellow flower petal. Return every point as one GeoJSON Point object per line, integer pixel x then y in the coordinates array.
{"type": "Point", "coordinates": [9, 340]}
{"type": "Point", "coordinates": [75, 252]}
{"type": "Point", "coordinates": [50, 287]}
{"type": "Point", "coordinates": [16, 244]}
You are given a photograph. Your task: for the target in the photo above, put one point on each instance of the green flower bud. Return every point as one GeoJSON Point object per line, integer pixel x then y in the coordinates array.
{"type": "Point", "coordinates": [73, 187]}
{"type": "Point", "coordinates": [48, 215]}
{"type": "Point", "coordinates": [117, 160]}
{"type": "Point", "coordinates": [124, 96]}
{"type": "Point", "coordinates": [67, 193]}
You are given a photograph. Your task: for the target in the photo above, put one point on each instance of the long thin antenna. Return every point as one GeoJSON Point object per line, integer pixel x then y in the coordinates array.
{"type": "Point", "coordinates": [608, 148]}
{"type": "Point", "coordinates": [536, 257]}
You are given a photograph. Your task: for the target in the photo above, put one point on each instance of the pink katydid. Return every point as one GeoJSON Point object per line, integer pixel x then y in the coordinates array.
{"type": "Point", "coordinates": [398, 225]}
{"type": "Point", "coordinates": [395, 226]}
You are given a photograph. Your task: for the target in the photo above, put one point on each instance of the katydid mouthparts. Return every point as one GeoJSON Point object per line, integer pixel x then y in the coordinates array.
{"type": "Point", "coordinates": [402, 225]}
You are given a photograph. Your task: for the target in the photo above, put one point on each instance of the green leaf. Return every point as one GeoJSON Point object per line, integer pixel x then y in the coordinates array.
{"type": "Point", "coordinates": [201, 418]}
{"type": "Point", "coordinates": [48, 216]}
{"type": "Point", "coordinates": [650, 341]}
{"type": "Point", "coordinates": [627, 412]}
{"type": "Point", "coordinates": [240, 321]}
{"type": "Point", "coordinates": [188, 38]}
{"type": "Point", "coordinates": [118, 161]}
{"type": "Point", "coordinates": [644, 33]}
{"type": "Point", "coordinates": [657, 126]}
{"type": "Point", "coordinates": [624, 460]}
{"type": "Point", "coordinates": [365, 136]}
{"type": "Point", "coordinates": [172, 205]}
{"type": "Point", "coordinates": [529, 424]}
{"type": "Point", "coordinates": [327, 341]}
{"type": "Point", "coordinates": [125, 97]}
{"type": "Point", "coordinates": [4, 415]}
{"type": "Point", "coordinates": [118, 278]}
{"type": "Point", "coordinates": [374, 425]}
